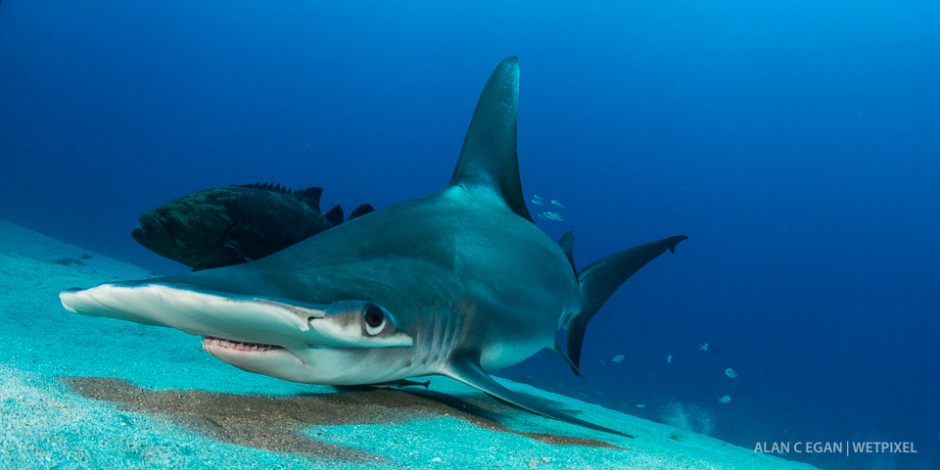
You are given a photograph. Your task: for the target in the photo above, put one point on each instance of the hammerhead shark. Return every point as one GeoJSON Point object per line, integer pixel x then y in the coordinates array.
{"type": "Point", "coordinates": [467, 285]}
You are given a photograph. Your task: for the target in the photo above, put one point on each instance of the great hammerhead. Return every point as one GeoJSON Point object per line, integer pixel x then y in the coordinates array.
{"type": "Point", "coordinates": [468, 284]}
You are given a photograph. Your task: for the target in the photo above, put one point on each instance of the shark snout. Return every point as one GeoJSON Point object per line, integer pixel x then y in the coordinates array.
{"type": "Point", "coordinates": [226, 316]}
{"type": "Point", "coordinates": [288, 324]}
{"type": "Point", "coordinates": [283, 338]}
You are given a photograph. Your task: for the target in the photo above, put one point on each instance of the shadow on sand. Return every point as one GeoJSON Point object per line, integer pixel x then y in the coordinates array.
{"type": "Point", "coordinates": [277, 423]}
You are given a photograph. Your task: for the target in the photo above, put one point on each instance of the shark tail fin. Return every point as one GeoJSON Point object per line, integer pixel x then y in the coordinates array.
{"type": "Point", "coordinates": [470, 372]}
{"type": "Point", "coordinates": [602, 278]}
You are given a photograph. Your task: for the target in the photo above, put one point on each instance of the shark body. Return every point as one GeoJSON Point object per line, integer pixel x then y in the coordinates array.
{"type": "Point", "coordinates": [468, 285]}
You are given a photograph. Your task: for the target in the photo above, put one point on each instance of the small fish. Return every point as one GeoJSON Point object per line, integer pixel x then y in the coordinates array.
{"type": "Point", "coordinates": [640, 405]}
{"type": "Point", "coordinates": [556, 202]}
{"type": "Point", "coordinates": [618, 358]}
{"type": "Point", "coordinates": [537, 200]}
{"type": "Point", "coordinates": [724, 399]}
{"type": "Point", "coordinates": [703, 347]}
{"type": "Point", "coordinates": [669, 359]}
{"type": "Point", "coordinates": [731, 373]}
{"type": "Point", "coordinates": [548, 215]}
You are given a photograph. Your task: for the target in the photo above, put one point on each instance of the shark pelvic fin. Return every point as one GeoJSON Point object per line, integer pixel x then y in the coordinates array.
{"type": "Point", "coordinates": [488, 157]}
{"type": "Point", "coordinates": [602, 278]}
{"type": "Point", "coordinates": [561, 352]}
{"type": "Point", "coordinates": [468, 371]}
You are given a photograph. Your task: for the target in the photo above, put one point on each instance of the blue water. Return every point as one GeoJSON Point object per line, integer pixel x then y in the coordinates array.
{"type": "Point", "coordinates": [797, 143]}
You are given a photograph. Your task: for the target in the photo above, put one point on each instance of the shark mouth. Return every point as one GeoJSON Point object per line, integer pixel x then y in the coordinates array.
{"type": "Point", "coordinates": [212, 342]}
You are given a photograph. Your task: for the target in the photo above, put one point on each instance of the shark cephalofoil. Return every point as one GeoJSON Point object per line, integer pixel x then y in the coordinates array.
{"type": "Point", "coordinates": [467, 285]}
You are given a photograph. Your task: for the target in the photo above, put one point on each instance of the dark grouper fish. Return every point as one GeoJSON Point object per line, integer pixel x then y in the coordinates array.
{"type": "Point", "coordinates": [234, 224]}
{"type": "Point", "coordinates": [457, 283]}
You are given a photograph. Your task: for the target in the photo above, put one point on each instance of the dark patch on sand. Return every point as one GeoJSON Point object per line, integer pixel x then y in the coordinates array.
{"type": "Point", "coordinates": [69, 261]}
{"type": "Point", "coordinates": [277, 423]}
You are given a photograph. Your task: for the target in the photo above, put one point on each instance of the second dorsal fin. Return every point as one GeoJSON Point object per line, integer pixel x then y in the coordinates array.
{"type": "Point", "coordinates": [566, 242]}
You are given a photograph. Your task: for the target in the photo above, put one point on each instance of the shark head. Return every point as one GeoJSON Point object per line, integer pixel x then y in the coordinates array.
{"type": "Point", "coordinates": [336, 343]}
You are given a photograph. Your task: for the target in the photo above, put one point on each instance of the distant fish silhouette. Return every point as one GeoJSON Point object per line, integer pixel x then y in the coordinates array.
{"type": "Point", "coordinates": [725, 399]}
{"type": "Point", "coordinates": [731, 373]}
{"type": "Point", "coordinates": [556, 202]}
{"type": "Point", "coordinates": [234, 224]}
{"type": "Point", "coordinates": [537, 200]}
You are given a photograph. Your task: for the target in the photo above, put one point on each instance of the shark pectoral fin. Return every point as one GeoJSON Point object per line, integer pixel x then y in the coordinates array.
{"type": "Point", "coordinates": [469, 372]}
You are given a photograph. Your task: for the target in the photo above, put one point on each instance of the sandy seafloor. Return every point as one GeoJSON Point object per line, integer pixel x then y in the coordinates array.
{"type": "Point", "coordinates": [79, 392]}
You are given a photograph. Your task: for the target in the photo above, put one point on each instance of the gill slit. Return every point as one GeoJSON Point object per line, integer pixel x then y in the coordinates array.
{"type": "Point", "coordinates": [437, 336]}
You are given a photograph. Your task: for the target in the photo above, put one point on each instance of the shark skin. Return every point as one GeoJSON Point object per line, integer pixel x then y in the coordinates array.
{"type": "Point", "coordinates": [468, 285]}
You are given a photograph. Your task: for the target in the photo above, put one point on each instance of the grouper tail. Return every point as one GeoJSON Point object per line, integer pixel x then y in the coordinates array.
{"type": "Point", "coordinates": [601, 279]}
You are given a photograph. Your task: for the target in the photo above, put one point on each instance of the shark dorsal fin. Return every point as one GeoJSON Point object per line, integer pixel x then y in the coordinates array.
{"type": "Point", "coordinates": [489, 156]}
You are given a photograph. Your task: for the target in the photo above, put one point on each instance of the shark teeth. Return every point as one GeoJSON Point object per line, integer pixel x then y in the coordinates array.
{"type": "Point", "coordinates": [209, 341]}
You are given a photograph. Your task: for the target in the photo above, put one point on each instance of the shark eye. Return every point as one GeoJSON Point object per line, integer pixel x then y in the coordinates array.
{"type": "Point", "coordinates": [375, 319]}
